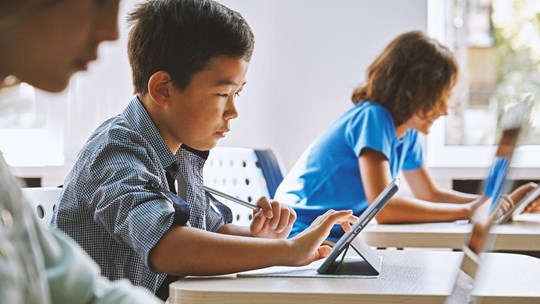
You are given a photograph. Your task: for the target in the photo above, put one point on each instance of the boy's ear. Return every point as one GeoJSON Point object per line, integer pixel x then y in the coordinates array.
{"type": "Point", "coordinates": [159, 87]}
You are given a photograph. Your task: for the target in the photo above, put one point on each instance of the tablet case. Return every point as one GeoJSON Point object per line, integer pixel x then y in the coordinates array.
{"type": "Point", "coordinates": [365, 266]}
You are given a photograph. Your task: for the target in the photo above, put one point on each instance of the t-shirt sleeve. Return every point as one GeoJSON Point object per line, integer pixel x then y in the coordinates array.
{"type": "Point", "coordinates": [414, 158]}
{"type": "Point", "coordinates": [370, 128]}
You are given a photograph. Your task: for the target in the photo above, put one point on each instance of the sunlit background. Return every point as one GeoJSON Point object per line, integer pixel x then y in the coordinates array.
{"type": "Point", "coordinates": [498, 46]}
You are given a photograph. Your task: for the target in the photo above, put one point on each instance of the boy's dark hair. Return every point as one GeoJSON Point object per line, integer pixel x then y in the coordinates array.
{"type": "Point", "coordinates": [414, 74]}
{"type": "Point", "coordinates": [181, 36]}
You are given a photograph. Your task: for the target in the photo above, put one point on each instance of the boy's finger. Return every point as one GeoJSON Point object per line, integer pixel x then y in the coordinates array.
{"type": "Point", "coordinates": [283, 219]}
{"type": "Point", "coordinates": [332, 217]}
{"type": "Point", "coordinates": [258, 221]}
{"type": "Point", "coordinates": [346, 226]}
{"type": "Point", "coordinates": [266, 206]}
{"type": "Point", "coordinates": [322, 252]}
{"type": "Point", "coordinates": [276, 211]}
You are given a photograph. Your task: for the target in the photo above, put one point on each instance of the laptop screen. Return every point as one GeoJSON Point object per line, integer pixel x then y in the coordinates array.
{"type": "Point", "coordinates": [495, 183]}
{"type": "Point", "coordinates": [494, 186]}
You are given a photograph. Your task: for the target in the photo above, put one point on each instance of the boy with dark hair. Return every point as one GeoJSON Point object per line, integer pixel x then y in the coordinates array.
{"type": "Point", "coordinates": [189, 61]}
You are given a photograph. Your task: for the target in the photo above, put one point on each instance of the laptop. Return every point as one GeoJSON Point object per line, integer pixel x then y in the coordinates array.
{"type": "Point", "coordinates": [513, 123]}
{"type": "Point", "coordinates": [366, 265]}
{"type": "Point", "coordinates": [489, 213]}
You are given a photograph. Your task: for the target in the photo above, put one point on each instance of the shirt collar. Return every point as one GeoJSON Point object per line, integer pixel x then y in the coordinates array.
{"type": "Point", "coordinates": [138, 117]}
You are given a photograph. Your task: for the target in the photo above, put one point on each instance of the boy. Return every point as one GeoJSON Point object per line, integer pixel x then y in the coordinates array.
{"type": "Point", "coordinates": [189, 60]}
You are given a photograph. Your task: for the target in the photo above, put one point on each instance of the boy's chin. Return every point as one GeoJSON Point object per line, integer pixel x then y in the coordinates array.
{"type": "Point", "coordinates": [202, 146]}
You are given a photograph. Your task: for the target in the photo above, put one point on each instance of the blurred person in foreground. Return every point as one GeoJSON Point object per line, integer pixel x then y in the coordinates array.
{"type": "Point", "coordinates": [43, 43]}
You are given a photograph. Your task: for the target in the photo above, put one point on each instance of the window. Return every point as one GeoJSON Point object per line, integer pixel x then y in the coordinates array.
{"type": "Point", "coordinates": [497, 44]}
{"type": "Point", "coordinates": [31, 128]}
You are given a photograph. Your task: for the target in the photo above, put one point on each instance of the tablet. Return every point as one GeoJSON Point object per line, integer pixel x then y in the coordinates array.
{"type": "Point", "coordinates": [330, 264]}
{"type": "Point", "coordinates": [520, 206]}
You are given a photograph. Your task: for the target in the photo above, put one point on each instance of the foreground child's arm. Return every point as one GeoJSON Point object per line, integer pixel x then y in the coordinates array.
{"type": "Point", "coordinates": [190, 251]}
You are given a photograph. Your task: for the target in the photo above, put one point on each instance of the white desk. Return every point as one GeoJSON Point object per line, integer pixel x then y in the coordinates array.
{"type": "Point", "coordinates": [514, 236]}
{"type": "Point", "coordinates": [406, 277]}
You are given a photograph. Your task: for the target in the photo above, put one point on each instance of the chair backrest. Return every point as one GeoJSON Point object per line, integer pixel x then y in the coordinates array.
{"type": "Point", "coordinates": [271, 168]}
{"type": "Point", "coordinates": [44, 200]}
{"type": "Point", "coordinates": [244, 173]}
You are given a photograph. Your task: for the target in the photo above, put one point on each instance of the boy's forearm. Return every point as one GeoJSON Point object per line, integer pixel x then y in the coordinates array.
{"type": "Point", "coordinates": [190, 251]}
{"type": "Point", "coordinates": [232, 229]}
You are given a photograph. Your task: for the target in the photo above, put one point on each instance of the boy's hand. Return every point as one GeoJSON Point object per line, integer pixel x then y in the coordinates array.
{"type": "Point", "coordinates": [308, 244]}
{"type": "Point", "coordinates": [273, 220]}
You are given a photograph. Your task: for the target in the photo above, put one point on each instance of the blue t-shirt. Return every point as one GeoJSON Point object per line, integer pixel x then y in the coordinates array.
{"type": "Point", "coordinates": [327, 175]}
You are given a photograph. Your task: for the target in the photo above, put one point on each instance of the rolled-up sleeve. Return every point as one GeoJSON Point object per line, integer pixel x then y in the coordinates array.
{"type": "Point", "coordinates": [116, 202]}
{"type": "Point", "coordinates": [123, 205]}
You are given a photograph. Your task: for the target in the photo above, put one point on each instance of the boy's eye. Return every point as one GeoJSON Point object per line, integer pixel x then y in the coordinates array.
{"type": "Point", "coordinates": [237, 94]}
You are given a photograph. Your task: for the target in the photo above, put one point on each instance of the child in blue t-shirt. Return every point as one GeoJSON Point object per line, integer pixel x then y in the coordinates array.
{"type": "Point", "coordinates": [346, 167]}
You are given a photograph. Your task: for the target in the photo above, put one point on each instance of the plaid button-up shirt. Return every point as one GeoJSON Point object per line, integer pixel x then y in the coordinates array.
{"type": "Point", "coordinates": [116, 201]}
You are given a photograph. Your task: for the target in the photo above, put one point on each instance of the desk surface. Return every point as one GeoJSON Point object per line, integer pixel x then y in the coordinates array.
{"type": "Point", "coordinates": [406, 277]}
{"type": "Point", "coordinates": [522, 235]}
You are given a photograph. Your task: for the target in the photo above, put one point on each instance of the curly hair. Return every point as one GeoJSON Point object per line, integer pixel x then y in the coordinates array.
{"type": "Point", "coordinates": [414, 74]}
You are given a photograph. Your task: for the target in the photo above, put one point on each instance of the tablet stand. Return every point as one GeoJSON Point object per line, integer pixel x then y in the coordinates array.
{"type": "Point", "coordinates": [369, 264]}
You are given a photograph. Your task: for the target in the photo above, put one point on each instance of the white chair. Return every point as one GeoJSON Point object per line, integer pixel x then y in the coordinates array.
{"type": "Point", "coordinates": [244, 173]}
{"type": "Point", "coordinates": [43, 200]}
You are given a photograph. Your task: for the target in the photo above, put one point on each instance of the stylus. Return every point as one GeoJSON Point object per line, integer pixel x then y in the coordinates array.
{"type": "Point", "coordinates": [230, 198]}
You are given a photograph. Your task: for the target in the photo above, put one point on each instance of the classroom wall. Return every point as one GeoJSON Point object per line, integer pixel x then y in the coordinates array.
{"type": "Point", "coordinates": [309, 55]}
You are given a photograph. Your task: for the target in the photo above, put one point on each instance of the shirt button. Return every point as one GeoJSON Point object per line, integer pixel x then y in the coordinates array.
{"type": "Point", "coordinates": [6, 218]}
